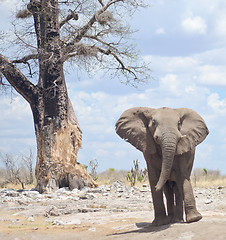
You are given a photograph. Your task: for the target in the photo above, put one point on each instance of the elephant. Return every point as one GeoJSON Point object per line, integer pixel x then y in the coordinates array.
{"type": "Point", "coordinates": [167, 138]}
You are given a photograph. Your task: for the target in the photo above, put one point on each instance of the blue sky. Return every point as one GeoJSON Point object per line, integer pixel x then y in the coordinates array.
{"type": "Point", "coordinates": [185, 41]}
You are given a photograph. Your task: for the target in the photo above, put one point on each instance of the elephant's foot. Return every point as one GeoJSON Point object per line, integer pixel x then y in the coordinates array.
{"type": "Point", "coordinates": [176, 220]}
{"type": "Point", "coordinates": [193, 216]}
{"type": "Point", "coordinates": [158, 221]}
{"type": "Point", "coordinates": [177, 217]}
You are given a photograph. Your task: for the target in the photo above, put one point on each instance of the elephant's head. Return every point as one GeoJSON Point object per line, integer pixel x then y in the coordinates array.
{"type": "Point", "coordinates": [177, 131]}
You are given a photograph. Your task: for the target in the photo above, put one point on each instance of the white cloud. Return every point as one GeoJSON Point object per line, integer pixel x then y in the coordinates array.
{"type": "Point", "coordinates": [160, 31]}
{"type": "Point", "coordinates": [14, 108]}
{"type": "Point", "coordinates": [220, 26]}
{"type": "Point", "coordinates": [194, 25]}
{"type": "Point", "coordinates": [216, 104]}
{"type": "Point", "coordinates": [204, 6]}
{"type": "Point", "coordinates": [207, 68]}
{"type": "Point", "coordinates": [171, 83]}
{"type": "Point", "coordinates": [16, 125]}
{"type": "Point", "coordinates": [171, 64]}
{"type": "Point", "coordinates": [212, 75]}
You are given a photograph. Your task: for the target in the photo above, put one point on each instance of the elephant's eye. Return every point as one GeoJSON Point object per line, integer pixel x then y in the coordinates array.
{"type": "Point", "coordinates": [179, 125]}
{"type": "Point", "coordinates": [154, 123]}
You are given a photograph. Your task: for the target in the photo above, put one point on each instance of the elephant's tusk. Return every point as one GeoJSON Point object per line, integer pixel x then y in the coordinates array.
{"type": "Point", "coordinates": [157, 188]}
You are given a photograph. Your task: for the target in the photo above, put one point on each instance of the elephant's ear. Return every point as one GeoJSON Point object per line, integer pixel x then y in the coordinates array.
{"type": "Point", "coordinates": [132, 126]}
{"type": "Point", "coordinates": [193, 129]}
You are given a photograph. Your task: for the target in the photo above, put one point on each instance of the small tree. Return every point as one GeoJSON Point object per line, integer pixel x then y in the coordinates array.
{"type": "Point", "coordinates": [136, 174]}
{"type": "Point", "coordinates": [28, 163]}
{"type": "Point", "coordinates": [17, 171]}
{"type": "Point", "coordinates": [132, 175]}
{"type": "Point", "coordinates": [93, 164]}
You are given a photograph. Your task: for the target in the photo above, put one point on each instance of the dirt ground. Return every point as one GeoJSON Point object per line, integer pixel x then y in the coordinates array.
{"type": "Point", "coordinates": [16, 224]}
{"type": "Point", "coordinates": [117, 226]}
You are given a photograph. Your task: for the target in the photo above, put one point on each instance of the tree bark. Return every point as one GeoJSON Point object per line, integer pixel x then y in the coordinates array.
{"type": "Point", "coordinates": [58, 141]}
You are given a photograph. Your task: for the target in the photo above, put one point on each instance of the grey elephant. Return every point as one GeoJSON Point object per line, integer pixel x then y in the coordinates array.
{"type": "Point", "coordinates": [167, 138]}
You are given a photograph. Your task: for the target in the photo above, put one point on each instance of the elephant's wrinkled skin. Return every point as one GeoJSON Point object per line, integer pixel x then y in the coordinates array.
{"type": "Point", "coordinates": [167, 137]}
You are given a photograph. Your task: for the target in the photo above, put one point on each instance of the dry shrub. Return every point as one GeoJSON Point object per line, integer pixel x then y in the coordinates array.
{"type": "Point", "coordinates": [24, 13]}
{"type": "Point", "coordinates": [85, 50]}
{"type": "Point", "coordinates": [104, 18]}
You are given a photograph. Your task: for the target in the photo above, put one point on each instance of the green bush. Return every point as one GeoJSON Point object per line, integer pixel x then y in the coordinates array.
{"type": "Point", "coordinates": [111, 169]}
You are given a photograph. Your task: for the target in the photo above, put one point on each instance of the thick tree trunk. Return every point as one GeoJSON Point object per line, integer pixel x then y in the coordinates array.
{"type": "Point", "coordinates": [57, 131]}
{"type": "Point", "coordinates": [58, 134]}
{"type": "Point", "coordinates": [58, 141]}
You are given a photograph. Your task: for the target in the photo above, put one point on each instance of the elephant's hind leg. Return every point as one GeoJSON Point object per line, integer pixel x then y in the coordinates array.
{"type": "Point", "coordinates": [174, 198]}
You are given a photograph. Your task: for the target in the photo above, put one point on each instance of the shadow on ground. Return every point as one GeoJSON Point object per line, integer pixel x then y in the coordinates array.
{"type": "Point", "coordinates": [144, 227]}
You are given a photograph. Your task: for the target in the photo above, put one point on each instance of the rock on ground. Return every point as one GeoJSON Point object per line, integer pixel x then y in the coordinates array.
{"type": "Point", "coordinates": [106, 212]}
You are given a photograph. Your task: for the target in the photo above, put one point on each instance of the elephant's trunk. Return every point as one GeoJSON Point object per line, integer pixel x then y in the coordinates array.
{"type": "Point", "coordinates": [168, 145]}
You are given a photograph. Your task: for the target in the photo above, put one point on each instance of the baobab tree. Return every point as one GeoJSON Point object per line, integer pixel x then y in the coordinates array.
{"type": "Point", "coordinates": [50, 33]}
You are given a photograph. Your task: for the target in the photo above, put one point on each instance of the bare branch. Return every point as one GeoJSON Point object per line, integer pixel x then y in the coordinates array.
{"type": "Point", "coordinates": [73, 15]}
{"type": "Point", "coordinates": [109, 45]}
{"type": "Point", "coordinates": [121, 64]}
{"type": "Point", "coordinates": [27, 44]}
{"type": "Point", "coordinates": [2, 83]}
{"type": "Point", "coordinates": [93, 19]}
{"type": "Point", "coordinates": [26, 58]}
{"type": "Point", "coordinates": [101, 2]}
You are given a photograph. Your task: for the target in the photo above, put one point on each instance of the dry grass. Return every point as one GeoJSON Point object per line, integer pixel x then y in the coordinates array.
{"type": "Point", "coordinates": [199, 179]}
{"type": "Point", "coordinates": [207, 178]}
{"type": "Point", "coordinates": [208, 181]}
{"type": "Point", "coordinates": [111, 175]}
{"type": "Point", "coordinates": [18, 186]}
{"type": "Point", "coordinates": [205, 183]}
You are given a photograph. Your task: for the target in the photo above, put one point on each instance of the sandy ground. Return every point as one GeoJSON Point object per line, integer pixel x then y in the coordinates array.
{"type": "Point", "coordinates": [16, 225]}
{"type": "Point", "coordinates": [117, 226]}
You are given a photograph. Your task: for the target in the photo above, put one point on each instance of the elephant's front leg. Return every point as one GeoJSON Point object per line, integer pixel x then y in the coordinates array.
{"type": "Point", "coordinates": [186, 164]}
{"type": "Point", "coordinates": [192, 214]}
{"type": "Point", "coordinates": [159, 207]}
